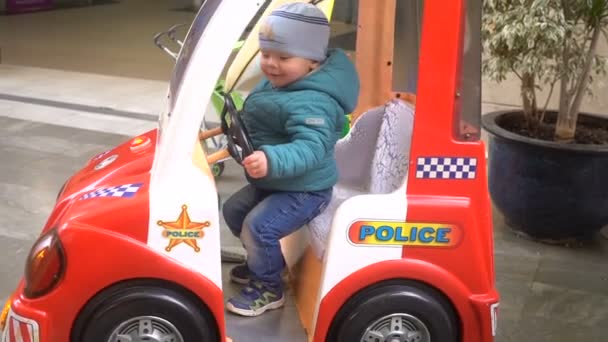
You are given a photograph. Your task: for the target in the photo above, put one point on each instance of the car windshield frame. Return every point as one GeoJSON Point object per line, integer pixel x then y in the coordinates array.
{"type": "Point", "coordinates": [198, 26]}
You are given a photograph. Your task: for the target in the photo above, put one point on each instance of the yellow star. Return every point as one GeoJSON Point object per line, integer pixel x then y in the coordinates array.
{"type": "Point", "coordinates": [183, 230]}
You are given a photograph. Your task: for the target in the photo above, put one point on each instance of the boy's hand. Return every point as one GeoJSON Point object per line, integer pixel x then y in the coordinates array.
{"type": "Point", "coordinates": [256, 164]}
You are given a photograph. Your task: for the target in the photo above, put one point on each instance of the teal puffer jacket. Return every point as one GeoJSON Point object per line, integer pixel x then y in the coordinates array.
{"type": "Point", "coordinates": [297, 126]}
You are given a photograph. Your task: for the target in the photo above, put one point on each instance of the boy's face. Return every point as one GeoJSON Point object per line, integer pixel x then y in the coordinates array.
{"type": "Point", "coordinates": [282, 69]}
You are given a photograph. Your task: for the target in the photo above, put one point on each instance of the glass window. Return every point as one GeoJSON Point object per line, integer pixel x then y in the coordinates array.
{"type": "Point", "coordinates": [344, 25]}
{"type": "Point", "coordinates": [197, 28]}
{"type": "Point", "coordinates": [468, 118]}
{"type": "Point", "coordinates": [408, 27]}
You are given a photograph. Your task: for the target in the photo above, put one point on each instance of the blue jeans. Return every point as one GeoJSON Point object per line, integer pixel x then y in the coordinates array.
{"type": "Point", "coordinates": [261, 218]}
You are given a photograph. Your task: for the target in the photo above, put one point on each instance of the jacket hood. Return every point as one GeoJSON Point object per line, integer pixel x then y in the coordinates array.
{"type": "Point", "coordinates": [337, 77]}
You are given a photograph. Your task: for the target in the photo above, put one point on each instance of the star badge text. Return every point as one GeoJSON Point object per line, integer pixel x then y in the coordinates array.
{"type": "Point", "coordinates": [183, 230]}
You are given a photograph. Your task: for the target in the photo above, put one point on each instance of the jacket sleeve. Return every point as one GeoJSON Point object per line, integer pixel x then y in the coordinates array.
{"type": "Point", "coordinates": [311, 127]}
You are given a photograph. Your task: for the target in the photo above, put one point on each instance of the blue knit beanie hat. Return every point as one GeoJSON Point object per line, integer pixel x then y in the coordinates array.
{"type": "Point", "coordinates": [299, 29]}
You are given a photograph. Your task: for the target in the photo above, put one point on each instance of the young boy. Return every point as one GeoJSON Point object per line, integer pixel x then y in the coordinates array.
{"type": "Point", "coordinates": [294, 118]}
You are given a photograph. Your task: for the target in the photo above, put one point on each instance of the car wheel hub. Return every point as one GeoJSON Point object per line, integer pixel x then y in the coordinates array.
{"type": "Point", "coordinates": [146, 329]}
{"type": "Point", "coordinates": [397, 328]}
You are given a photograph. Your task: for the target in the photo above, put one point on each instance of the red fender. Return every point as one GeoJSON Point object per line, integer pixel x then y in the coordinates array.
{"type": "Point", "coordinates": [91, 269]}
{"type": "Point", "coordinates": [412, 269]}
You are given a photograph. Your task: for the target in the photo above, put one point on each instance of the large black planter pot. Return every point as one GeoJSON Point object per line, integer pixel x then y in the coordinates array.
{"type": "Point", "coordinates": [547, 190]}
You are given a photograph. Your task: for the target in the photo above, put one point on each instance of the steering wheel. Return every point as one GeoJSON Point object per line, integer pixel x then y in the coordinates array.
{"type": "Point", "coordinates": [239, 145]}
{"type": "Point", "coordinates": [235, 131]}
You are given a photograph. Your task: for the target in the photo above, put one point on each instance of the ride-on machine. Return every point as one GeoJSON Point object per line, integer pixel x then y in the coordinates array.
{"type": "Point", "coordinates": [403, 252]}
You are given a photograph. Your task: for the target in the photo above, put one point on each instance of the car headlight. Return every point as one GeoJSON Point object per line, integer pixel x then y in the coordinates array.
{"type": "Point", "coordinates": [45, 265]}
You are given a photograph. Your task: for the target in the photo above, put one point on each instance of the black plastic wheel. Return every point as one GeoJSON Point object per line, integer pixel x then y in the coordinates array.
{"type": "Point", "coordinates": [396, 311]}
{"type": "Point", "coordinates": [144, 312]}
{"type": "Point", "coordinates": [217, 169]}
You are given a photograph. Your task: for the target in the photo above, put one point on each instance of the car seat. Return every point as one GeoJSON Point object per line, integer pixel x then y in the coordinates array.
{"type": "Point", "coordinates": [373, 158]}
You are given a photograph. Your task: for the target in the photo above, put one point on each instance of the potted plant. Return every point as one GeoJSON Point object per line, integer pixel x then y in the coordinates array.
{"type": "Point", "coordinates": [548, 169]}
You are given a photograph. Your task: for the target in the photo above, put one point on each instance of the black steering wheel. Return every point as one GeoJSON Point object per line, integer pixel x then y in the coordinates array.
{"type": "Point", "coordinates": [235, 131]}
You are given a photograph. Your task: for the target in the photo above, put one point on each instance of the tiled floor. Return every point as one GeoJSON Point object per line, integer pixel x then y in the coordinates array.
{"type": "Point", "coordinates": [38, 157]}
{"type": "Point", "coordinates": [548, 293]}
{"type": "Point", "coordinates": [52, 121]}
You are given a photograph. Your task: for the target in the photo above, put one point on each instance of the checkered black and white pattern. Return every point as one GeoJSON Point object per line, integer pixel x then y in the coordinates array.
{"type": "Point", "coordinates": [446, 168]}
{"type": "Point", "coordinates": [126, 190]}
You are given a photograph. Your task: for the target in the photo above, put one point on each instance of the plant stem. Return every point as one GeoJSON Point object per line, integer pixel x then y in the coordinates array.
{"type": "Point", "coordinates": [528, 95]}
{"type": "Point", "coordinates": [566, 124]}
{"type": "Point", "coordinates": [584, 80]}
{"type": "Point", "coordinates": [542, 114]}
{"type": "Point", "coordinates": [564, 94]}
